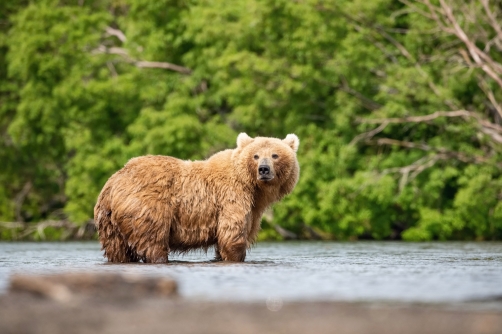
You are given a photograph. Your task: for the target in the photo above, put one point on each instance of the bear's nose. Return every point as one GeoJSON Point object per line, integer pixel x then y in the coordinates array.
{"type": "Point", "coordinates": [264, 170]}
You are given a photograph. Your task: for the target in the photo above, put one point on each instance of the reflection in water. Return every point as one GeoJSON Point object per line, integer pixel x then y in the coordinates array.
{"type": "Point", "coordinates": [362, 271]}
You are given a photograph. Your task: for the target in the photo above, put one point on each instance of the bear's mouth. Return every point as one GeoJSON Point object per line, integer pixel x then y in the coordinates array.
{"type": "Point", "coordinates": [265, 178]}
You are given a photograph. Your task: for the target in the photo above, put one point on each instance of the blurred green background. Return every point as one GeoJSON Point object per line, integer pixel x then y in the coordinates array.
{"type": "Point", "coordinates": [397, 104]}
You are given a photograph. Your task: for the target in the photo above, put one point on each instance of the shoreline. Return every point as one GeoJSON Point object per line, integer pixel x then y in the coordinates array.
{"type": "Point", "coordinates": [118, 303]}
{"type": "Point", "coordinates": [28, 314]}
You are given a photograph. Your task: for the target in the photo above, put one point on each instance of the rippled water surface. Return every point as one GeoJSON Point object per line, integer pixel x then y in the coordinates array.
{"type": "Point", "coordinates": [362, 271]}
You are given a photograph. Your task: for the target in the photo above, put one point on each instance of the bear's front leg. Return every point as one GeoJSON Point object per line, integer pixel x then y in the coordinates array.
{"type": "Point", "coordinates": [217, 254]}
{"type": "Point", "coordinates": [233, 246]}
{"type": "Point", "coordinates": [232, 236]}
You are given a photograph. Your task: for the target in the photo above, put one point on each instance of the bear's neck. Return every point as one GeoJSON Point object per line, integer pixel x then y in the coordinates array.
{"type": "Point", "coordinates": [264, 196]}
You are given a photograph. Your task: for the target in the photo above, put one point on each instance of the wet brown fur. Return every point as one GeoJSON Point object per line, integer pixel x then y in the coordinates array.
{"type": "Point", "coordinates": [157, 205]}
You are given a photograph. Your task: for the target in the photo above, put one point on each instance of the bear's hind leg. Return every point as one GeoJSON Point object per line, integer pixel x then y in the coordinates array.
{"type": "Point", "coordinates": [157, 253]}
{"type": "Point", "coordinates": [115, 247]}
{"type": "Point", "coordinates": [113, 242]}
{"type": "Point", "coordinates": [151, 238]}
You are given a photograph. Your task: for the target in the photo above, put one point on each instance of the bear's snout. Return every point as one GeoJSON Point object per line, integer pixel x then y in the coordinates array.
{"type": "Point", "coordinates": [265, 172]}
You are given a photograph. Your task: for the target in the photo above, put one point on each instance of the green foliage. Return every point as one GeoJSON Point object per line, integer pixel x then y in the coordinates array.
{"type": "Point", "coordinates": [76, 104]}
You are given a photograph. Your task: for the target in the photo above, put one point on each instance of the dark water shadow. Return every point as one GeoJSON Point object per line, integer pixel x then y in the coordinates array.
{"type": "Point", "coordinates": [493, 298]}
{"type": "Point", "coordinates": [191, 263]}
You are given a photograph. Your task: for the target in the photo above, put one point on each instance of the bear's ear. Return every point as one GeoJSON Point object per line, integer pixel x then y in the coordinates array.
{"type": "Point", "coordinates": [292, 141]}
{"type": "Point", "coordinates": [243, 139]}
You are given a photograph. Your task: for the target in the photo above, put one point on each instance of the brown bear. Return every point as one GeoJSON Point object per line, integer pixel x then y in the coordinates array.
{"type": "Point", "coordinates": [156, 205]}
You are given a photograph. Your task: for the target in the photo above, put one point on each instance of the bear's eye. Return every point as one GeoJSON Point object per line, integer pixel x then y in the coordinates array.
{"type": "Point", "coordinates": [256, 157]}
{"type": "Point", "coordinates": [275, 156]}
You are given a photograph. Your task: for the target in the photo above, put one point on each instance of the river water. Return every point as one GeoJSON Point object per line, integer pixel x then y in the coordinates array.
{"type": "Point", "coordinates": [358, 271]}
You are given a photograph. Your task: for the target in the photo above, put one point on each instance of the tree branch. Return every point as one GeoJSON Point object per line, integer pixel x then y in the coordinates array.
{"type": "Point", "coordinates": [489, 93]}
{"type": "Point", "coordinates": [140, 63]}
{"type": "Point", "coordinates": [447, 154]}
{"type": "Point", "coordinates": [164, 65]}
{"type": "Point", "coordinates": [416, 168]}
{"type": "Point", "coordinates": [437, 114]}
{"type": "Point", "coordinates": [117, 33]}
{"type": "Point", "coordinates": [19, 200]}
{"type": "Point", "coordinates": [417, 119]}
{"type": "Point", "coordinates": [367, 103]}
{"type": "Point", "coordinates": [491, 17]}
{"type": "Point", "coordinates": [369, 134]}
{"type": "Point", "coordinates": [486, 63]}
{"type": "Point", "coordinates": [400, 47]}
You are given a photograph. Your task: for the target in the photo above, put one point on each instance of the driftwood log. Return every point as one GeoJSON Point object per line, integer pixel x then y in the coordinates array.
{"type": "Point", "coordinates": [29, 231]}
{"type": "Point", "coordinates": [71, 286]}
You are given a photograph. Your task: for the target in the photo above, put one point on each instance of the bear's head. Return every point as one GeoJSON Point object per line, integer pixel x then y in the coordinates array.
{"type": "Point", "coordinates": [269, 161]}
